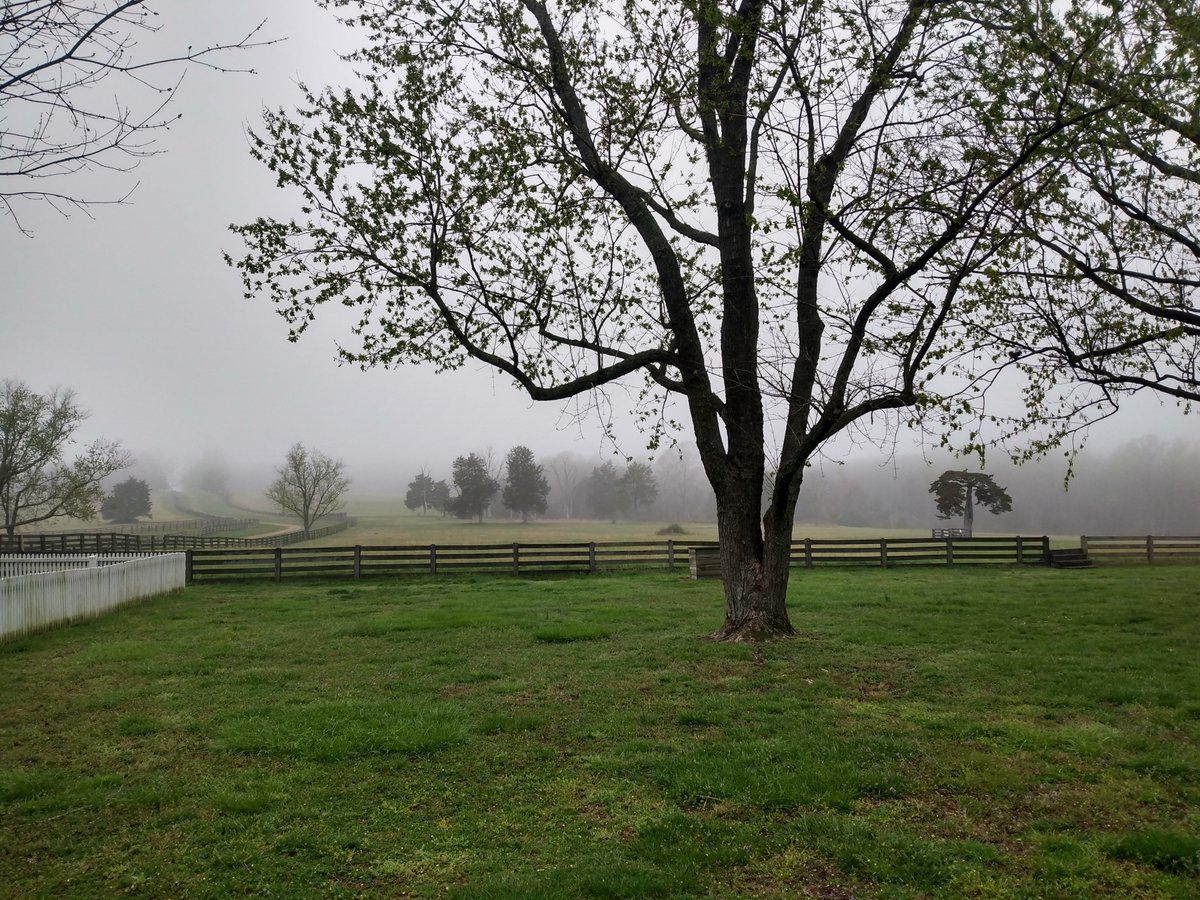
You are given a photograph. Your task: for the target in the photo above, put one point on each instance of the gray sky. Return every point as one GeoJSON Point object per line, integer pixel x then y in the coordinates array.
{"type": "Point", "coordinates": [136, 310]}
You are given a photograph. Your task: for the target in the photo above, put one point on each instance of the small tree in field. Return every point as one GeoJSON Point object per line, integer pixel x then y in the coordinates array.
{"type": "Point", "coordinates": [957, 493]}
{"type": "Point", "coordinates": [37, 481]}
{"type": "Point", "coordinates": [525, 486]}
{"type": "Point", "coordinates": [476, 487]}
{"type": "Point", "coordinates": [128, 500]}
{"type": "Point", "coordinates": [309, 485]}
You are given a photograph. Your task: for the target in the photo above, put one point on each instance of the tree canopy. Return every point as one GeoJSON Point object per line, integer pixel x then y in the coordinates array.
{"type": "Point", "coordinates": [790, 219]}
{"type": "Point", "coordinates": [128, 501]}
{"type": "Point", "coordinates": [37, 480]}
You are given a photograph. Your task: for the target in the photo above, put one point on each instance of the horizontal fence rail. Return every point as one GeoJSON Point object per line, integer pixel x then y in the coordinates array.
{"type": "Point", "coordinates": [35, 602]}
{"type": "Point", "coordinates": [1148, 547]}
{"type": "Point", "coordinates": [112, 542]}
{"type": "Point", "coordinates": [585, 558]}
{"type": "Point", "coordinates": [202, 524]}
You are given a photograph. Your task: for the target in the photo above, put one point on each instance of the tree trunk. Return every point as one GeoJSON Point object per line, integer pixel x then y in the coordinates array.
{"type": "Point", "coordinates": [755, 572]}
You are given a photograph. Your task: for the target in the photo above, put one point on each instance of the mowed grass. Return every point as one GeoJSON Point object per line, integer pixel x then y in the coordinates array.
{"type": "Point", "coordinates": [930, 733]}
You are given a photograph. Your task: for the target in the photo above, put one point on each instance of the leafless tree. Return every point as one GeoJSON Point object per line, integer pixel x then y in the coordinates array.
{"type": "Point", "coordinates": [76, 94]}
{"type": "Point", "coordinates": [309, 485]}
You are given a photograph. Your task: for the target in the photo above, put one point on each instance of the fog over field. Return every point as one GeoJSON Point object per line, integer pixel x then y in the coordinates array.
{"type": "Point", "coordinates": [136, 310]}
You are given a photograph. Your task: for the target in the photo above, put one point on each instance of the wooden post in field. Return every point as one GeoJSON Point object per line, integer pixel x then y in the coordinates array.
{"type": "Point", "coordinates": [1045, 550]}
{"type": "Point", "coordinates": [357, 561]}
{"type": "Point", "coordinates": [433, 559]}
{"type": "Point", "coordinates": [1020, 550]}
{"type": "Point", "coordinates": [883, 553]}
{"type": "Point", "coordinates": [516, 558]}
{"type": "Point", "coordinates": [1083, 544]}
{"type": "Point", "coordinates": [592, 558]}
{"type": "Point", "coordinates": [187, 568]}
{"type": "Point", "coordinates": [808, 553]}
{"type": "Point", "coordinates": [949, 551]}
{"type": "Point", "coordinates": [1150, 549]}
{"type": "Point", "coordinates": [670, 554]}
{"type": "Point", "coordinates": [278, 563]}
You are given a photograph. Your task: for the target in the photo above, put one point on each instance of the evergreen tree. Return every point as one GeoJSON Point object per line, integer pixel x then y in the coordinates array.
{"type": "Point", "coordinates": [128, 500]}
{"type": "Point", "coordinates": [639, 486]}
{"type": "Point", "coordinates": [476, 487]}
{"type": "Point", "coordinates": [423, 493]}
{"type": "Point", "coordinates": [525, 487]}
{"type": "Point", "coordinates": [605, 492]}
{"type": "Point", "coordinates": [957, 493]}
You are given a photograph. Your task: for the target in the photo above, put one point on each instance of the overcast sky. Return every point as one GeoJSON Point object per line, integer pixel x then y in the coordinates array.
{"type": "Point", "coordinates": [136, 310]}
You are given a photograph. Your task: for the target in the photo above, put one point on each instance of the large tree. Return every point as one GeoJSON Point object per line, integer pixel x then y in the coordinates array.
{"type": "Point", "coordinates": [37, 480]}
{"type": "Point", "coordinates": [309, 485]}
{"type": "Point", "coordinates": [78, 93]}
{"type": "Point", "coordinates": [777, 214]}
{"type": "Point", "coordinates": [476, 487]}
{"type": "Point", "coordinates": [128, 500]}
{"type": "Point", "coordinates": [525, 484]}
{"type": "Point", "coordinates": [956, 493]}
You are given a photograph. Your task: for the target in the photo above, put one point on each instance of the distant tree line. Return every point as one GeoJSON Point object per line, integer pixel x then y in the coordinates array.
{"type": "Point", "coordinates": [524, 489]}
{"type": "Point", "coordinates": [1146, 486]}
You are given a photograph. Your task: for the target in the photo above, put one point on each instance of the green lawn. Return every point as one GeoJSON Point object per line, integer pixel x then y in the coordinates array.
{"type": "Point", "coordinates": [931, 732]}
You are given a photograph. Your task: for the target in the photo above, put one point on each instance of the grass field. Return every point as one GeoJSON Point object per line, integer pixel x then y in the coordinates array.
{"type": "Point", "coordinates": [930, 733]}
{"type": "Point", "coordinates": [382, 520]}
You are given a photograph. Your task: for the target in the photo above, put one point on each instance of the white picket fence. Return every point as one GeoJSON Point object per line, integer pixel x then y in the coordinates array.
{"type": "Point", "coordinates": [81, 587]}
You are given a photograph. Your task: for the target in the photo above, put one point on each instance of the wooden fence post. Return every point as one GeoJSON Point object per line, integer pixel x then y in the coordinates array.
{"type": "Point", "coordinates": [670, 554]}
{"type": "Point", "coordinates": [1083, 544]}
{"type": "Point", "coordinates": [1150, 549]}
{"type": "Point", "coordinates": [433, 559]}
{"type": "Point", "coordinates": [949, 551]}
{"type": "Point", "coordinates": [278, 563]}
{"type": "Point", "coordinates": [357, 561]}
{"type": "Point", "coordinates": [808, 553]}
{"type": "Point", "coordinates": [592, 558]}
{"type": "Point", "coordinates": [516, 558]}
{"type": "Point", "coordinates": [1045, 550]}
{"type": "Point", "coordinates": [883, 553]}
{"type": "Point", "coordinates": [1020, 550]}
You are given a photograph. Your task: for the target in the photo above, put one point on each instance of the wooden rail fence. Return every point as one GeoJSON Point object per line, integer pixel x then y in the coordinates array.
{"type": "Point", "coordinates": [584, 558]}
{"type": "Point", "coordinates": [202, 524]}
{"type": "Point", "coordinates": [1130, 548]}
{"type": "Point", "coordinates": [112, 542]}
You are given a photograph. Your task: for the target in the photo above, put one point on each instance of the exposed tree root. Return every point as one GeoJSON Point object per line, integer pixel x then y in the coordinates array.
{"type": "Point", "coordinates": [754, 629]}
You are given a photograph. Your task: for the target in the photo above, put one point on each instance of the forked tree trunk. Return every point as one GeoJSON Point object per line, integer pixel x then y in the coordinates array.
{"type": "Point", "coordinates": [754, 569]}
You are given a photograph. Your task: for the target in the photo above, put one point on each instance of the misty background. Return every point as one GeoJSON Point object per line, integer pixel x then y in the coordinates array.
{"type": "Point", "coordinates": [135, 309]}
